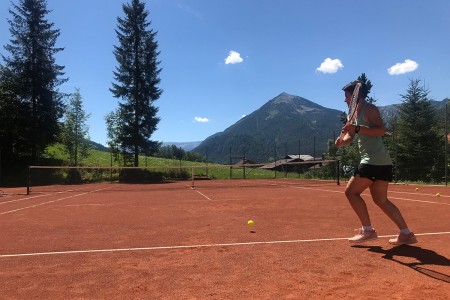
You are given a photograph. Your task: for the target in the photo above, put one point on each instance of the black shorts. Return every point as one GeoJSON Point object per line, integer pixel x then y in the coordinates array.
{"type": "Point", "coordinates": [374, 172]}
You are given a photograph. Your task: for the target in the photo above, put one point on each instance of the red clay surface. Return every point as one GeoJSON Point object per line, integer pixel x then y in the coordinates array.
{"type": "Point", "coordinates": [173, 242]}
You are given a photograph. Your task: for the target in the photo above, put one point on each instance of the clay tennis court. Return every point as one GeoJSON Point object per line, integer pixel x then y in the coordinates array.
{"type": "Point", "coordinates": [169, 241]}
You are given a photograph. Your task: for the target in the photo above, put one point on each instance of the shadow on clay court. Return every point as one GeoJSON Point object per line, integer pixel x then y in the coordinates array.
{"type": "Point", "coordinates": [423, 257]}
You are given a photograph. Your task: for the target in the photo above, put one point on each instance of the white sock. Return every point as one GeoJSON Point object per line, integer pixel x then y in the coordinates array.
{"type": "Point", "coordinates": [367, 228]}
{"type": "Point", "coordinates": [405, 231]}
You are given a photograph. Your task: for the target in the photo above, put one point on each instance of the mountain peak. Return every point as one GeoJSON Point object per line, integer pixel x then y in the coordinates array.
{"type": "Point", "coordinates": [295, 103]}
{"type": "Point", "coordinates": [284, 97]}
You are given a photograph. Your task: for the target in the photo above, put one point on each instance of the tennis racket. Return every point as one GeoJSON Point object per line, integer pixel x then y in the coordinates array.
{"type": "Point", "coordinates": [353, 104]}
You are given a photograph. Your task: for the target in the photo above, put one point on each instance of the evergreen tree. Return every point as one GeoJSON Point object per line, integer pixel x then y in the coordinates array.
{"type": "Point", "coordinates": [9, 107]}
{"type": "Point", "coordinates": [390, 138]}
{"type": "Point", "coordinates": [114, 123]}
{"type": "Point", "coordinates": [137, 77]}
{"type": "Point", "coordinates": [368, 85]}
{"type": "Point", "coordinates": [74, 135]}
{"type": "Point", "coordinates": [420, 148]}
{"type": "Point", "coordinates": [32, 66]}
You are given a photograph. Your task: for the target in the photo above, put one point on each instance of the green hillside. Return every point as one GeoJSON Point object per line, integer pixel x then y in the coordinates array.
{"type": "Point", "coordinates": [99, 158]}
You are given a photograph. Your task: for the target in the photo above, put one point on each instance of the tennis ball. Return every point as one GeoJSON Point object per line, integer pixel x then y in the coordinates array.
{"type": "Point", "coordinates": [250, 223]}
{"type": "Point", "coordinates": [438, 195]}
{"type": "Point", "coordinates": [417, 189]}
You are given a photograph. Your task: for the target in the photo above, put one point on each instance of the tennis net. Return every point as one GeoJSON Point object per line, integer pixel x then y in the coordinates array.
{"type": "Point", "coordinates": [64, 178]}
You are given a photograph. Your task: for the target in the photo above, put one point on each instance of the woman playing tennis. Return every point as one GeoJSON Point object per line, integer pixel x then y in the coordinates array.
{"type": "Point", "coordinates": [375, 168]}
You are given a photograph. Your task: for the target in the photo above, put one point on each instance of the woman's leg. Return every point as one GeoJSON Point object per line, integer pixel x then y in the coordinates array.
{"type": "Point", "coordinates": [378, 190]}
{"type": "Point", "coordinates": [353, 191]}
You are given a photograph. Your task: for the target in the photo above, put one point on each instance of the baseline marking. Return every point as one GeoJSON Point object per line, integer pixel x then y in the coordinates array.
{"type": "Point", "coordinates": [196, 246]}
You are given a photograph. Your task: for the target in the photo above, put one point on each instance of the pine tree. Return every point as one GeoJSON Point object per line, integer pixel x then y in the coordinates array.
{"type": "Point", "coordinates": [368, 85]}
{"type": "Point", "coordinates": [9, 108]}
{"type": "Point", "coordinates": [74, 134]}
{"type": "Point", "coordinates": [420, 148]}
{"type": "Point", "coordinates": [32, 64]}
{"type": "Point", "coordinates": [137, 77]}
{"type": "Point", "coordinates": [114, 123]}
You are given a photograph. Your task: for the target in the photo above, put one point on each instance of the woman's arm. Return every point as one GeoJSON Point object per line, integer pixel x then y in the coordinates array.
{"type": "Point", "coordinates": [344, 139]}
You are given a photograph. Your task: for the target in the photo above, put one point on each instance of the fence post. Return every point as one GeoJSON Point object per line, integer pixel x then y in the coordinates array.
{"type": "Point", "coordinates": [446, 143]}
{"type": "Point", "coordinates": [230, 164]}
{"type": "Point", "coordinates": [338, 172]}
{"type": "Point", "coordinates": [28, 180]}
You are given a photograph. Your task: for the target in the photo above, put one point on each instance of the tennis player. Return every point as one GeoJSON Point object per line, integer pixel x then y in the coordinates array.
{"type": "Point", "coordinates": [373, 172]}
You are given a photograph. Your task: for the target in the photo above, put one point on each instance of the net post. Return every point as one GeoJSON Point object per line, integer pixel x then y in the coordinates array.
{"type": "Point", "coordinates": [192, 178]}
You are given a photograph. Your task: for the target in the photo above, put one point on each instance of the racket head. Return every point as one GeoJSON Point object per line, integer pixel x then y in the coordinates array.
{"type": "Point", "coordinates": [353, 103]}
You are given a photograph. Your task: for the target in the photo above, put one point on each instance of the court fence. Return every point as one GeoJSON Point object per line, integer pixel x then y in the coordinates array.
{"type": "Point", "coordinates": [41, 176]}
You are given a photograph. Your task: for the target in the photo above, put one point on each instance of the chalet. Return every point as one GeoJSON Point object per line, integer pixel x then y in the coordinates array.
{"type": "Point", "coordinates": [287, 164]}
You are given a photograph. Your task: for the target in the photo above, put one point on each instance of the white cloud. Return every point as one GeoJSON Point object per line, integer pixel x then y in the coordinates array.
{"type": "Point", "coordinates": [233, 58]}
{"type": "Point", "coordinates": [330, 66]}
{"type": "Point", "coordinates": [201, 120]}
{"type": "Point", "coordinates": [402, 68]}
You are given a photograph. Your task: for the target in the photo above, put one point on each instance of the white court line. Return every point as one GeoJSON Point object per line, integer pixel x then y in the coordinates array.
{"type": "Point", "coordinates": [93, 204]}
{"type": "Point", "coordinates": [340, 192]}
{"type": "Point", "coordinates": [43, 195]}
{"type": "Point", "coordinates": [197, 246]}
{"type": "Point", "coordinates": [421, 194]}
{"type": "Point", "coordinates": [365, 194]}
{"type": "Point", "coordinates": [203, 195]}
{"type": "Point", "coordinates": [52, 201]}
{"type": "Point", "coordinates": [422, 201]}
{"type": "Point", "coordinates": [23, 199]}
{"type": "Point", "coordinates": [192, 188]}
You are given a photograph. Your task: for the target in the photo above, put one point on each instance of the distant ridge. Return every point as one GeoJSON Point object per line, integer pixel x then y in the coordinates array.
{"type": "Point", "coordinates": [98, 146]}
{"type": "Point", "coordinates": [187, 146]}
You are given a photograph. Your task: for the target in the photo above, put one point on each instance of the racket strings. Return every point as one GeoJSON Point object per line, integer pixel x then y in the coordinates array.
{"type": "Point", "coordinates": [353, 104]}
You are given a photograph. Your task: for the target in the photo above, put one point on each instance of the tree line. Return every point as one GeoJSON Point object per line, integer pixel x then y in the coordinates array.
{"type": "Point", "coordinates": [174, 152]}
{"type": "Point", "coordinates": [34, 113]}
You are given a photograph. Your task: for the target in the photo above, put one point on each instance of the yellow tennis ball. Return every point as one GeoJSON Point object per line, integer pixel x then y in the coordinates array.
{"type": "Point", "coordinates": [417, 189]}
{"type": "Point", "coordinates": [250, 223]}
{"type": "Point", "coordinates": [437, 194]}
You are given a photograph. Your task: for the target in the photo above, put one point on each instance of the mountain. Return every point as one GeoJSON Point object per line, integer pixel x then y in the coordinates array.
{"type": "Point", "coordinates": [97, 146]}
{"type": "Point", "coordinates": [187, 146]}
{"type": "Point", "coordinates": [287, 124]}
{"type": "Point", "coordinates": [388, 112]}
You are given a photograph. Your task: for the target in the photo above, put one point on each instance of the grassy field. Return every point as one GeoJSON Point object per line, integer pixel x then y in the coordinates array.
{"type": "Point", "coordinates": [165, 169]}
{"type": "Point", "coordinates": [104, 159]}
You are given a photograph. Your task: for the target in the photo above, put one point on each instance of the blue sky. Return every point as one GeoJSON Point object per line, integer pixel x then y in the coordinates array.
{"type": "Point", "coordinates": [222, 60]}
